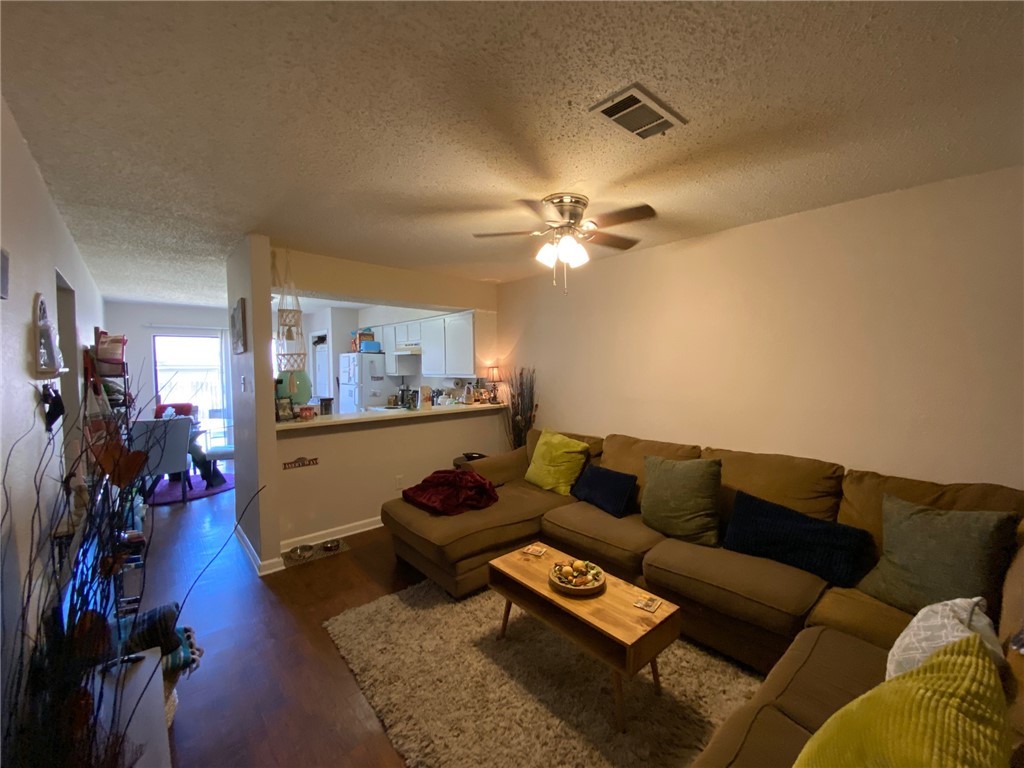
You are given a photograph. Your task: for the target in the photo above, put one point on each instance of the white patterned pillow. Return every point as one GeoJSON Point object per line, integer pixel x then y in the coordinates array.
{"type": "Point", "coordinates": [936, 626]}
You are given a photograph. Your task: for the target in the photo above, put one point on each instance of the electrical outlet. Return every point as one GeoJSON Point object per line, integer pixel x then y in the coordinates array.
{"type": "Point", "coordinates": [399, 482]}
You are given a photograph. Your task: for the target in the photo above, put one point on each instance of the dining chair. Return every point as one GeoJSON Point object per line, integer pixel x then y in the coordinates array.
{"type": "Point", "coordinates": [165, 442]}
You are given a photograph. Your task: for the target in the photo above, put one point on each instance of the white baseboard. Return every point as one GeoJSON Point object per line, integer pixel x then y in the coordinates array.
{"type": "Point", "coordinates": [333, 533]}
{"type": "Point", "coordinates": [263, 567]}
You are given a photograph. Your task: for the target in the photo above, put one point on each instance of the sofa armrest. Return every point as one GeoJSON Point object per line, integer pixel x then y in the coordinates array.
{"type": "Point", "coordinates": [503, 467]}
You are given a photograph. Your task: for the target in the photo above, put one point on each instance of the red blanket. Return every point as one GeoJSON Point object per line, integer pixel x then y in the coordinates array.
{"type": "Point", "coordinates": [451, 491]}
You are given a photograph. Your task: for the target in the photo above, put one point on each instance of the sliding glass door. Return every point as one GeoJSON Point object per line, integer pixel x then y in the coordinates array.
{"type": "Point", "coordinates": [192, 369]}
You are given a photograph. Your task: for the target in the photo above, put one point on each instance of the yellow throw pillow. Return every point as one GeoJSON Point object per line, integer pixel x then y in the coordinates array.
{"type": "Point", "coordinates": [557, 462]}
{"type": "Point", "coordinates": [950, 711]}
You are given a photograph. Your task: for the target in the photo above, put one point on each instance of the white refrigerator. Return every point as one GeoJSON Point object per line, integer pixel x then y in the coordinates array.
{"type": "Point", "coordinates": [361, 381]}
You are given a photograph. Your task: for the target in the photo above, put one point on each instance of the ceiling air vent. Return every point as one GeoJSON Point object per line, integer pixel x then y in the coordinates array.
{"type": "Point", "coordinates": [639, 112]}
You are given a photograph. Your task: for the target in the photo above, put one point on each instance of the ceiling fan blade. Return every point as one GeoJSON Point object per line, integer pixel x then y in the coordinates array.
{"type": "Point", "coordinates": [624, 216]}
{"type": "Point", "coordinates": [505, 234]}
{"type": "Point", "coordinates": [542, 210]}
{"type": "Point", "coordinates": [612, 241]}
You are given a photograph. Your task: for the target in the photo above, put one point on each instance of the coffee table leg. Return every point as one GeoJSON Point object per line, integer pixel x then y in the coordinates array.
{"type": "Point", "coordinates": [657, 677]}
{"type": "Point", "coordinates": [504, 619]}
{"type": "Point", "coordinates": [620, 709]}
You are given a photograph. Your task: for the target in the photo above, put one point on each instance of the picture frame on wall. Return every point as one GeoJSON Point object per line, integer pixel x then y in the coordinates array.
{"type": "Point", "coordinates": [238, 327]}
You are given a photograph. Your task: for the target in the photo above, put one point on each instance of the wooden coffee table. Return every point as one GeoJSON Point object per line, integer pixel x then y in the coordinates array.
{"type": "Point", "coordinates": [607, 626]}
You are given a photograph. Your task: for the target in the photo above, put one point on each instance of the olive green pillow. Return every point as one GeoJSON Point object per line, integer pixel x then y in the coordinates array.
{"type": "Point", "coordinates": [557, 462]}
{"type": "Point", "coordinates": [949, 711]}
{"type": "Point", "coordinates": [679, 498]}
{"type": "Point", "coordinates": [933, 555]}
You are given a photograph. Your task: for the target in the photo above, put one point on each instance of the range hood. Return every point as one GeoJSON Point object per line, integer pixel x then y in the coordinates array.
{"type": "Point", "coordinates": [408, 349]}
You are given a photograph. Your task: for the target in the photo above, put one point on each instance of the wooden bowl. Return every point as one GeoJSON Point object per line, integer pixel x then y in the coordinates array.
{"type": "Point", "coordinates": [592, 588]}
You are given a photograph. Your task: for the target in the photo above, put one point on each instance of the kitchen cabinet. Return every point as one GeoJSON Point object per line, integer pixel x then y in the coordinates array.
{"type": "Point", "coordinates": [407, 333]}
{"type": "Point", "coordinates": [459, 357]}
{"type": "Point", "coordinates": [432, 343]}
{"type": "Point", "coordinates": [388, 345]}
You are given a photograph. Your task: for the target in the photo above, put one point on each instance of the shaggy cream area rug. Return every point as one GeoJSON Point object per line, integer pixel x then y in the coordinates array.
{"type": "Point", "coordinates": [452, 695]}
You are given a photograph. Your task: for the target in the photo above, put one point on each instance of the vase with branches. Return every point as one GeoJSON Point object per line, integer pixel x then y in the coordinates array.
{"type": "Point", "coordinates": [67, 647]}
{"type": "Point", "coordinates": [522, 406]}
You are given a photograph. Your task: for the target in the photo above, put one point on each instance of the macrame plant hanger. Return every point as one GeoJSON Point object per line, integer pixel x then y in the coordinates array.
{"type": "Point", "coordinates": [291, 342]}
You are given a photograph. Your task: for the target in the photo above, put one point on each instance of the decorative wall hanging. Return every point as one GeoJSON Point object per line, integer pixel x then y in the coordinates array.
{"type": "Point", "coordinates": [238, 334]}
{"type": "Point", "coordinates": [49, 362]}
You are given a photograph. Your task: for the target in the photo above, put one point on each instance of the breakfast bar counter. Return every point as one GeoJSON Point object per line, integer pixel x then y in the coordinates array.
{"type": "Point", "coordinates": [333, 473]}
{"type": "Point", "coordinates": [352, 419]}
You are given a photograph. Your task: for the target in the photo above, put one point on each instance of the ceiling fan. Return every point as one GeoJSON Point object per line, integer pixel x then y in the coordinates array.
{"type": "Point", "coordinates": [562, 213]}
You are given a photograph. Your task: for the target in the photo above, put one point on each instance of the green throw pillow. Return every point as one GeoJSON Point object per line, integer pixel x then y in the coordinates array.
{"type": "Point", "coordinates": [949, 711]}
{"type": "Point", "coordinates": [932, 555]}
{"type": "Point", "coordinates": [679, 498]}
{"type": "Point", "coordinates": [557, 462]}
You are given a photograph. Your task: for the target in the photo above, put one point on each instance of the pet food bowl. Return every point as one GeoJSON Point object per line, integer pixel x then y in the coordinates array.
{"type": "Point", "coordinates": [302, 551]}
{"type": "Point", "coordinates": [331, 545]}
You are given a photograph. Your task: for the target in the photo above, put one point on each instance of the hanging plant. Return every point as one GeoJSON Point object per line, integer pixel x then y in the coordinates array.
{"type": "Point", "coordinates": [522, 408]}
{"type": "Point", "coordinates": [290, 339]}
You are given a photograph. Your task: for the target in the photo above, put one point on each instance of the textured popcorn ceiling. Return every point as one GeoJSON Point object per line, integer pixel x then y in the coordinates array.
{"type": "Point", "coordinates": [389, 132]}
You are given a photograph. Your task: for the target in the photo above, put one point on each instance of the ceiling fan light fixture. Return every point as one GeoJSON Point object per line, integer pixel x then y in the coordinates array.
{"type": "Point", "coordinates": [572, 252]}
{"type": "Point", "coordinates": [547, 255]}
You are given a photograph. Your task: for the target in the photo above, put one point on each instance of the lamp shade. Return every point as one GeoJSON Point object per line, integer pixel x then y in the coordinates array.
{"type": "Point", "coordinates": [547, 255]}
{"type": "Point", "coordinates": [492, 374]}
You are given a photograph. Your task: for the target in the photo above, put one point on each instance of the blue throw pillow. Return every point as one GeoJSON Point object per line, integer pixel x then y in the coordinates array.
{"type": "Point", "coordinates": [840, 554]}
{"type": "Point", "coordinates": [606, 489]}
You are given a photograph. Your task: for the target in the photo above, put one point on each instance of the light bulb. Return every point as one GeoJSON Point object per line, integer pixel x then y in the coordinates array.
{"type": "Point", "coordinates": [572, 252]}
{"type": "Point", "coordinates": [547, 255]}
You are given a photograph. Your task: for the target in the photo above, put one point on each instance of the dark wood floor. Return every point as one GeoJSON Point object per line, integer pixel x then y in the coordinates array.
{"type": "Point", "coordinates": [272, 689]}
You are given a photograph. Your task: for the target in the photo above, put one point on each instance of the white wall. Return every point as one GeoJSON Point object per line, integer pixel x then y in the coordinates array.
{"type": "Point", "coordinates": [141, 321]}
{"type": "Point", "coordinates": [885, 333]}
{"type": "Point", "coordinates": [361, 466]}
{"type": "Point", "coordinates": [252, 396]}
{"type": "Point", "coordinates": [382, 315]}
{"type": "Point", "coordinates": [39, 244]}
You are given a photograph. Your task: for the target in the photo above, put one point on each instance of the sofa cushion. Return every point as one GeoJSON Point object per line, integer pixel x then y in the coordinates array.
{"type": "Point", "coordinates": [840, 554]}
{"type": "Point", "coordinates": [626, 454]}
{"type": "Point", "coordinates": [755, 736]}
{"type": "Point", "coordinates": [617, 544]}
{"type": "Point", "coordinates": [606, 489]}
{"type": "Point", "coordinates": [861, 504]}
{"type": "Point", "coordinates": [557, 462]}
{"type": "Point", "coordinates": [515, 516]}
{"type": "Point", "coordinates": [595, 444]}
{"type": "Point", "coordinates": [930, 555]}
{"type": "Point", "coordinates": [762, 592]}
{"type": "Point", "coordinates": [821, 672]}
{"type": "Point", "coordinates": [809, 486]}
{"type": "Point", "coordinates": [679, 499]}
{"type": "Point", "coordinates": [860, 615]}
{"type": "Point", "coordinates": [948, 711]}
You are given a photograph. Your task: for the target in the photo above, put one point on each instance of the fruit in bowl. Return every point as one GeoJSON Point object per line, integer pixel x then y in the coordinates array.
{"type": "Point", "coordinates": [576, 575]}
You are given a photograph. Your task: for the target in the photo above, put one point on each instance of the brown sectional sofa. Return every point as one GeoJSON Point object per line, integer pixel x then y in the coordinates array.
{"type": "Point", "coordinates": [823, 645]}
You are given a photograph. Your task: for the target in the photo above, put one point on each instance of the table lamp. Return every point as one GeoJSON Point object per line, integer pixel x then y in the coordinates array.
{"type": "Point", "coordinates": [493, 377]}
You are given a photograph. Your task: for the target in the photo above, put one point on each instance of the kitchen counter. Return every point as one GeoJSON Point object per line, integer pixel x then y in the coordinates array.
{"type": "Point", "coordinates": [347, 419]}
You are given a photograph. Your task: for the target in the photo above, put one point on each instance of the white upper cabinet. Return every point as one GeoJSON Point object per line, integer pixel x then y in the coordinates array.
{"type": "Point", "coordinates": [388, 344]}
{"type": "Point", "coordinates": [413, 331]}
{"type": "Point", "coordinates": [458, 345]}
{"type": "Point", "coordinates": [401, 332]}
{"type": "Point", "coordinates": [432, 343]}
